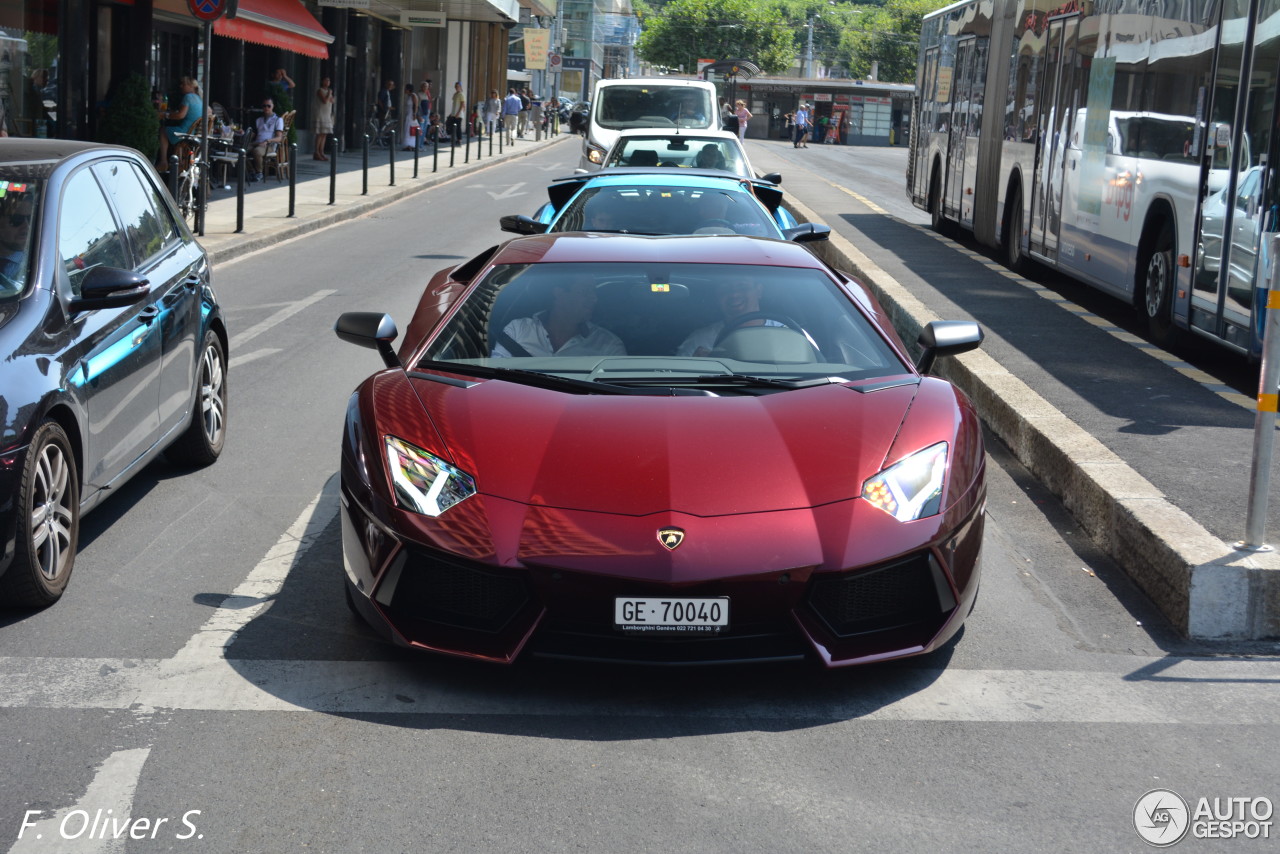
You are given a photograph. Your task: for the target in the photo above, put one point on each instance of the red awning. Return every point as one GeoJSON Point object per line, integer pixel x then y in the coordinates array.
{"type": "Point", "coordinates": [278, 23]}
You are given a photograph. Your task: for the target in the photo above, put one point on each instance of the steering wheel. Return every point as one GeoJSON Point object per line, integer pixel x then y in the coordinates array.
{"type": "Point", "coordinates": [731, 326]}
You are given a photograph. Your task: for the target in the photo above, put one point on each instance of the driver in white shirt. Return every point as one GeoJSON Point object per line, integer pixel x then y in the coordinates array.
{"type": "Point", "coordinates": [735, 300]}
{"type": "Point", "coordinates": [564, 329]}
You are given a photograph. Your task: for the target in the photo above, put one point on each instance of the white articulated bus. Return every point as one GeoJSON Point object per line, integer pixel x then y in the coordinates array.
{"type": "Point", "coordinates": [1113, 141]}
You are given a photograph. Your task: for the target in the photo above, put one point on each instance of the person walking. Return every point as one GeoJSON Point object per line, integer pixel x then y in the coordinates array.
{"type": "Point", "coordinates": [457, 114]}
{"type": "Point", "coordinates": [492, 112]}
{"type": "Point", "coordinates": [510, 113]}
{"type": "Point", "coordinates": [523, 116]}
{"type": "Point", "coordinates": [409, 127]}
{"type": "Point", "coordinates": [744, 116]}
{"type": "Point", "coordinates": [424, 112]}
{"type": "Point", "coordinates": [802, 126]}
{"type": "Point", "coordinates": [322, 117]}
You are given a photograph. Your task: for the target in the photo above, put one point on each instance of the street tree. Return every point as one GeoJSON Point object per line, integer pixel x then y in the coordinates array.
{"type": "Point", "coordinates": [685, 31]}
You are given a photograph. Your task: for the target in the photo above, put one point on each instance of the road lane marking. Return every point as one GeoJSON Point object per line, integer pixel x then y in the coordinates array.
{"type": "Point", "coordinates": [279, 317]}
{"type": "Point", "coordinates": [106, 805]}
{"type": "Point", "coordinates": [237, 361]}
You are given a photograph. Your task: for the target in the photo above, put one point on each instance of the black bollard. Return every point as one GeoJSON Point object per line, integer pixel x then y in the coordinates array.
{"type": "Point", "coordinates": [502, 135]}
{"type": "Point", "coordinates": [202, 197]}
{"type": "Point", "coordinates": [453, 152]}
{"type": "Point", "coordinates": [293, 175]}
{"type": "Point", "coordinates": [391, 159]}
{"type": "Point", "coordinates": [333, 169]}
{"type": "Point", "coordinates": [479, 145]}
{"type": "Point", "coordinates": [364, 165]}
{"type": "Point", "coordinates": [491, 142]}
{"type": "Point", "coordinates": [242, 165]}
{"type": "Point", "coordinates": [466, 152]}
{"type": "Point", "coordinates": [173, 175]}
{"type": "Point", "coordinates": [435, 153]}
{"type": "Point", "coordinates": [416, 150]}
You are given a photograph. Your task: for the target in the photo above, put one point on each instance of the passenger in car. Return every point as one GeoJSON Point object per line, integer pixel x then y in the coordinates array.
{"type": "Point", "coordinates": [563, 329]}
{"type": "Point", "coordinates": [15, 224]}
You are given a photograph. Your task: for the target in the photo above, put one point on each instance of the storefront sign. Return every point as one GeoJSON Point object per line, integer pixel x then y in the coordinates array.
{"type": "Point", "coordinates": [536, 43]}
{"type": "Point", "coordinates": [822, 97]}
{"type": "Point", "coordinates": [420, 19]}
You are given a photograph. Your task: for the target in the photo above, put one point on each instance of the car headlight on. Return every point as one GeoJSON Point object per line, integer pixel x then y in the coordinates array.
{"type": "Point", "coordinates": [912, 488]}
{"type": "Point", "coordinates": [595, 155]}
{"type": "Point", "coordinates": [423, 482]}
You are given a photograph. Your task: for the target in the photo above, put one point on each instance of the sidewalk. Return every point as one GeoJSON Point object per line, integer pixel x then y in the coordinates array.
{"type": "Point", "coordinates": [266, 204]}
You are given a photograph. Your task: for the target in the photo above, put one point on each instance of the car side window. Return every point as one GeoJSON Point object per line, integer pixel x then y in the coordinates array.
{"type": "Point", "coordinates": [146, 221]}
{"type": "Point", "coordinates": [88, 235]}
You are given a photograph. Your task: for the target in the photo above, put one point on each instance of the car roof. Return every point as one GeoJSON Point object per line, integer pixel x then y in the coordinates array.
{"type": "Point", "coordinates": [27, 150]}
{"type": "Point", "coordinates": [702, 133]}
{"type": "Point", "coordinates": [564, 188]}
{"type": "Point", "coordinates": [586, 247]}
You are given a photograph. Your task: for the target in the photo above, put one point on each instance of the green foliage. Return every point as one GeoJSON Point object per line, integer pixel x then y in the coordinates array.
{"type": "Point", "coordinates": [42, 49]}
{"type": "Point", "coordinates": [889, 35]}
{"type": "Point", "coordinates": [688, 30]}
{"type": "Point", "coordinates": [131, 119]}
{"type": "Point", "coordinates": [279, 94]}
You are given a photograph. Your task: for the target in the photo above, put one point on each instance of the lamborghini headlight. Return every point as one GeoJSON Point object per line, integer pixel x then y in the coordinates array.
{"type": "Point", "coordinates": [910, 489]}
{"type": "Point", "coordinates": [423, 482]}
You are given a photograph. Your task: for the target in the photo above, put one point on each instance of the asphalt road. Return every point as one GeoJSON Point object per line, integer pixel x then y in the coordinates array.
{"type": "Point", "coordinates": [203, 660]}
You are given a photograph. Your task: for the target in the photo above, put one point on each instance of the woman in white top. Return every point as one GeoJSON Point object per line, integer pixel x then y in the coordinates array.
{"type": "Point", "coordinates": [408, 138]}
{"type": "Point", "coordinates": [322, 121]}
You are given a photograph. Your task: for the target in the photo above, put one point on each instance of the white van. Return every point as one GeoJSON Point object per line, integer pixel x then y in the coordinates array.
{"type": "Point", "coordinates": [640, 102]}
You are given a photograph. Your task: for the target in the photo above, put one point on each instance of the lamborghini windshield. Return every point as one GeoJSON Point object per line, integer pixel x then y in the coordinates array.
{"type": "Point", "coordinates": [727, 328]}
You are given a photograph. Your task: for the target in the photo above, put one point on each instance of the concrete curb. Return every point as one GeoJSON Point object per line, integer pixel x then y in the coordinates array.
{"type": "Point", "coordinates": [221, 248]}
{"type": "Point", "coordinates": [1206, 588]}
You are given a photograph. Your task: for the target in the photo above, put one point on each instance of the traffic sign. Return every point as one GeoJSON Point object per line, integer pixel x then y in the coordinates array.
{"type": "Point", "coordinates": [209, 10]}
{"type": "Point", "coordinates": [555, 62]}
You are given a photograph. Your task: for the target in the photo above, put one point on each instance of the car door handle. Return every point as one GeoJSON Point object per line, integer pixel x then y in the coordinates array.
{"type": "Point", "coordinates": [148, 314]}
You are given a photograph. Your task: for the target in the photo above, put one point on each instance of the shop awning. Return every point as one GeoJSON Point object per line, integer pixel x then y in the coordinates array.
{"type": "Point", "coordinates": [279, 23]}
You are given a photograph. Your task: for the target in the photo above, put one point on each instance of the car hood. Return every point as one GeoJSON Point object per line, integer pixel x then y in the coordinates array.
{"type": "Point", "coordinates": [636, 455]}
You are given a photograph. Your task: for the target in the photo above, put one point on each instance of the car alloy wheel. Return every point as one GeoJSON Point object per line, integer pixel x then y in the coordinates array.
{"type": "Point", "coordinates": [202, 441]}
{"type": "Point", "coordinates": [49, 528]}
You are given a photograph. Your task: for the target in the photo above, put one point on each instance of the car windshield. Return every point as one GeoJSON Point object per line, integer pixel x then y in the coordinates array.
{"type": "Point", "coordinates": [622, 107]}
{"type": "Point", "coordinates": [18, 204]}
{"type": "Point", "coordinates": [666, 209]}
{"type": "Point", "coordinates": [699, 153]}
{"type": "Point", "coordinates": [715, 328]}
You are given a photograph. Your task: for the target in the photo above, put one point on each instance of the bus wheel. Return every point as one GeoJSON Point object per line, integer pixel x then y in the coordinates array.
{"type": "Point", "coordinates": [1012, 238]}
{"type": "Point", "coordinates": [937, 220]}
{"type": "Point", "coordinates": [1157, 289]}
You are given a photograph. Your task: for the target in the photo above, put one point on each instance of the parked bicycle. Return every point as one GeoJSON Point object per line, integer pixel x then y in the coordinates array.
{"type": "Point", "coordinates": [381, 131]}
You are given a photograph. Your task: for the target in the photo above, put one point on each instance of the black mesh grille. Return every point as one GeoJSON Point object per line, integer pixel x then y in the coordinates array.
{"type": "Point", "coordinates": [432, 589]}
{"type": "Point", "coordinates": [870, 600]}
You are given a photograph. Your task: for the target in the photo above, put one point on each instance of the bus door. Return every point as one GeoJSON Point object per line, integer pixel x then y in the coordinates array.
{"type": "Point", "coordinates": [1237, 202]}
{"type": "Point", "coordinates": [1056, 111]}
{"type": "Point", "coordinates": [963, 108]}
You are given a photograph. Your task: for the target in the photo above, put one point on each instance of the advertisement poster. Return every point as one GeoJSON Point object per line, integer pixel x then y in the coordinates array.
{"type": "Point", "coordinates": [536, 43]}
{"type": "Point", "coordinates": [833, 126]}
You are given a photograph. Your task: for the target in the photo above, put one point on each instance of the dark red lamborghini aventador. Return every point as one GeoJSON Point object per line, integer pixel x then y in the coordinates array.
{"type": "Point", "coordinates": [659, 450]}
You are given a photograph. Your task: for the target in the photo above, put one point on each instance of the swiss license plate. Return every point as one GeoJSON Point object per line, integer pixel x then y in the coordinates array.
{"type": "Point", "coordinates": [671, 615]}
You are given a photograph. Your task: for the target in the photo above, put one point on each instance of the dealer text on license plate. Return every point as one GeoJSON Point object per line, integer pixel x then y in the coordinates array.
{"type": "Point", "coordinates": [671, 615]}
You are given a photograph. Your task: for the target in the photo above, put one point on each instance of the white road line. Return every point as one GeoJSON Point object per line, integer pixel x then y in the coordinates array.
{"type": "Point", "coordinates": [237, 361]}
{"type": "Point", "coordinates": [104, 811]}
{"type": "Point", "coordinates": [279, 317]}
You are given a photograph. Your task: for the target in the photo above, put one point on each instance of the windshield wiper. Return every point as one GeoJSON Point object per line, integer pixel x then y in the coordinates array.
{"type": "Point", "coordinates": [735, 380]}
{"type": "Point", "coordinates": [536, 379]}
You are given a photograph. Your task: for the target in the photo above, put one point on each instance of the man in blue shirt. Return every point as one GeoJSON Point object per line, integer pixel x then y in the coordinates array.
{"type": "Point", "coordinates": [511, 106]}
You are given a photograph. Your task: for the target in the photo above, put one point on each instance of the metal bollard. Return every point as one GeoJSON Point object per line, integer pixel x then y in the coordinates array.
{"type": "Point", "coordinates": [242, 166]}
{"type": "Point", "coordinates": [466, 152]}
{"type": "Point", "coordinates": [391, 158]}
{"type": "Point", "coordinates": [173, 175]}
{"type": "Point", "coordinates": [453, 152]}
{"type": "Point", "coordinates": [202, 198]}
{"type": "Point", "coordinates": [1264, 428]}
{"type": "Point", "coordinates": [293, 175]}
{"type": "Point", "coordinates": [435, 153]}
{"type": "Point", "coordinates": [491, 142]}
{"type": "Point", "coordinates": [502, 135]}
{"type": "Point", "coordinates": [364, 165]}
{"type": "Point", "coordinates": [416, 150]}
{"type": "Point", "coordinates": [333, 169]}
{"type": "Point", "coordinates": [479, 145]}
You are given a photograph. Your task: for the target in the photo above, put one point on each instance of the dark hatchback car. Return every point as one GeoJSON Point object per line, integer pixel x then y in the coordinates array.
{"type": "Point", "coordinates": [112, 347]}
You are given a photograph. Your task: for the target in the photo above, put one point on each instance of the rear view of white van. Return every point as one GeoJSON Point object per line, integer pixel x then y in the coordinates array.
{"type": "Point", "coordinates": [660, 102]}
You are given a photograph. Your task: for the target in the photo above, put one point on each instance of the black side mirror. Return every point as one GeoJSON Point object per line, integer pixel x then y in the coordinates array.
{"type": "Point", "coordinates": [370, 329]}
{"type": "Point", "coordinates": [772, 177]}
{"type": "Point", "coordinates": [946, 338]}
{"type": "Point", "coordinates": [110, 287]}
{"type": "Point", "coordinates": [807, 232]}
{"type": "Point", "coordinates": [521, 224]}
